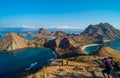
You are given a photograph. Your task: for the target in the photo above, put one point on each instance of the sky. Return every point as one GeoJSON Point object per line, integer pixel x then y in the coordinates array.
{"type": "Point", "coordinates": [58, 13]}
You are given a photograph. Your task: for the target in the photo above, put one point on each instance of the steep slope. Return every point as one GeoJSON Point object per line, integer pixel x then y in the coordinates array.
{"type": "Point", "coordinates": [69, 46]}
{"type": "Point", "coordinates": [102, 31]}
{"type": "Point", "coordinates": [13, 42]}
{"type": "Point", "coordinates": [108, 52]}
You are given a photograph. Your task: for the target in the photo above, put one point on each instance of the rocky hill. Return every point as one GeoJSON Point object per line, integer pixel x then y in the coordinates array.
{"type": "Point", "coordinates": [108, 52]}
{"type": "Point", "coordinates": [102, 31]}
{"type": "Point", "coordinates": [43, 32]}
{"type": "Point", "coordinates": [70, 45]}
{"type": "Point", "coordinates": [60, 33]}
{"type": "Point", "coordinates": [13, 42]}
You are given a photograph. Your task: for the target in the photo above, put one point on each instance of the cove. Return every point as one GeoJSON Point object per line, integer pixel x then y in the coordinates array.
{"type": "Point", "coordinates": [19, 60]}
{"type": "Point", "coordinates": [115, 44]}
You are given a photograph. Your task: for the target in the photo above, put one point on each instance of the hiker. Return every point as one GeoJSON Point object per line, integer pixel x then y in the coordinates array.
{"type": "Point", "coordinates": [114, 63]}
{"type": "Point", "coordinates": [108, 68]}
{"type": "Point", "coordinates": [113, 66]}
{"type": "Point", "coordinates": [118, 66]}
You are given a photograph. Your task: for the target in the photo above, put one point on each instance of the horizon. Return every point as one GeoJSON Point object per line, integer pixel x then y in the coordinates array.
{"type": "Point", "coordinates": [66, 14]}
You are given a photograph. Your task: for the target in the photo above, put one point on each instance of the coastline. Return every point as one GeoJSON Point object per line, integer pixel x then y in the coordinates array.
{"type": "Point", "coordinates": [83, 48]}
{"type": "Point", "coordinates": [107, 40]}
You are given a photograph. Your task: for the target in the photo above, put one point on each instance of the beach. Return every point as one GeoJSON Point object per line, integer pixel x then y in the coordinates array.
{"type": "Point", "coordinates": [83, 48]}
{"type": "Point", "coordinates": [106, 40]}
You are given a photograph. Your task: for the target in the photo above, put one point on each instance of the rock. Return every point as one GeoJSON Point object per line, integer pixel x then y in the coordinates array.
{"type": "Point", "coordinates": [38, 42]}
{"type": "Point", "coordinates": [64, 46]}
{"type": "Point", "coordinates": [21, 34]}
{"type": "Point", "coordinates": [60, 33]}
{"type": "Point", "coordinates": [102, 31]}
{"type": "Point", "coordinates": [43, 32]}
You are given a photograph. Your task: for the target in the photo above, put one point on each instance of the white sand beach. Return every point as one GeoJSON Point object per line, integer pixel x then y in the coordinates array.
{"type": "Point", "coordinates": [106, 40]}
{"type": "Point", "coordinates": [83, 48]}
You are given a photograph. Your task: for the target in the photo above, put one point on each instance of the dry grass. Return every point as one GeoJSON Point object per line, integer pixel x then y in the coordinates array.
{"type": "Point", "coordinates": [109, 52]}
{"type": "Point", "coordinates": [72, 70]}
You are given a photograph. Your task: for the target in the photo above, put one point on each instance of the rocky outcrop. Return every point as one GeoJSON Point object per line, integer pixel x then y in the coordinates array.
{"type": "Point", "coordinates": [60, 33]}
{"type": "Point", "coordinates": [13, 42]}
{"type": "Point", "coordinates": [102, 31]}
{"type": "Point", "coordinates": [69, 46]}
{"type": "Point", "coordinates": [108, 52]}
{"type": "Point", "coordinates": [62, 43]}
{"type": "Point", "coordinates": [43, 32]}
{"type": "Point", "coordinates": [38, 42]}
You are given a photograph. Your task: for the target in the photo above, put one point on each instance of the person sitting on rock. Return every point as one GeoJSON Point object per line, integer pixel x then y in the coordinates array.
{"type": "Point", "coordinates": [108, 68]}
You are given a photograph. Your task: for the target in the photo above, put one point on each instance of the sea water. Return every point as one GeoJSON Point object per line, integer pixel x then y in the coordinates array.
{"type": "Point", "coordinates": [115, 44]}
{"type": "Point", "coordinates": [20, 60]}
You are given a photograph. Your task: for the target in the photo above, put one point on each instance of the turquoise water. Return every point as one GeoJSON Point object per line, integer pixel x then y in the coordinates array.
{"type": "Point", "coordinates": [22, 59]}
{"type": "Point", "coordinates": [91, 49]}
{"type": "Point", "coordinates": [32, 37]}
{"type": "Point", "coordinates": [29, 37]}
{"type": "Point", "coordinates": [115, 44]}
{"type": "Point", "coordinates": [48, 37]}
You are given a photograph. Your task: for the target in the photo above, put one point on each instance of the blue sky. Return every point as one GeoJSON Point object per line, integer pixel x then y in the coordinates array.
{"type": "Point", "coordinates": [58, 13]}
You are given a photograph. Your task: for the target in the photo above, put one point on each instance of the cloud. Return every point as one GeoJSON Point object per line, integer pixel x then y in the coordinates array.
{"type": "Point", "coordinates": [29, 27]}
{"type": "Point", "coordinates": [61, 27]}
{"type": "Point", "coordinates": [46, 27]}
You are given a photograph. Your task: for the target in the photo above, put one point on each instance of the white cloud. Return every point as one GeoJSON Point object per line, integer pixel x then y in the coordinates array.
{"type": "Point", "coordinates": [61, 27]}
{"type": "Point", "coordinates": [46, 27]}
{"type": "Point", "coordinates": [29, 27]}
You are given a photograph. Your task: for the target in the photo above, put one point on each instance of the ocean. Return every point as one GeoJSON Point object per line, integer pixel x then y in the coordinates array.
{"type": "Point", "coordinates": [14, 62]}
{"type": "Point", "coordinates": [115, 44]}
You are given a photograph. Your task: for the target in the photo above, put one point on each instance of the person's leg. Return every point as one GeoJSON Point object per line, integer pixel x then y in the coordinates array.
{"type": "Point", "coordinates": [108, 73]}
{"type": "Point", "coordinates": [103, 72]}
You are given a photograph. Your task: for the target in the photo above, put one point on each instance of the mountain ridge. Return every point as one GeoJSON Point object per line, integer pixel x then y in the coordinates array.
{"type": "Point", "coordinates": [102, 31]}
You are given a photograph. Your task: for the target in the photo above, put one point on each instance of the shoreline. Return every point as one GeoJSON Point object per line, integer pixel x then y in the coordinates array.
{"type": "Point", "coordinates": [83, 48]}
{"type": "Point", "coordinates": [107, 40]}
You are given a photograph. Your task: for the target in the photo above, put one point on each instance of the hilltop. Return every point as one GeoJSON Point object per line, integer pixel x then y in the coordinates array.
{"type": "Point", "coordinates": [74, 69]}
{"type": "Point", "coordinates": [70, 45]}
{"type": "Point", "coordinates": [108, 52]}
{"type": "Point", "coordinates": [43, 32]}
{"type": "Point", "coordinates": [102, 31]}
{"type": "Point", "coordinates": [13, 42]}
